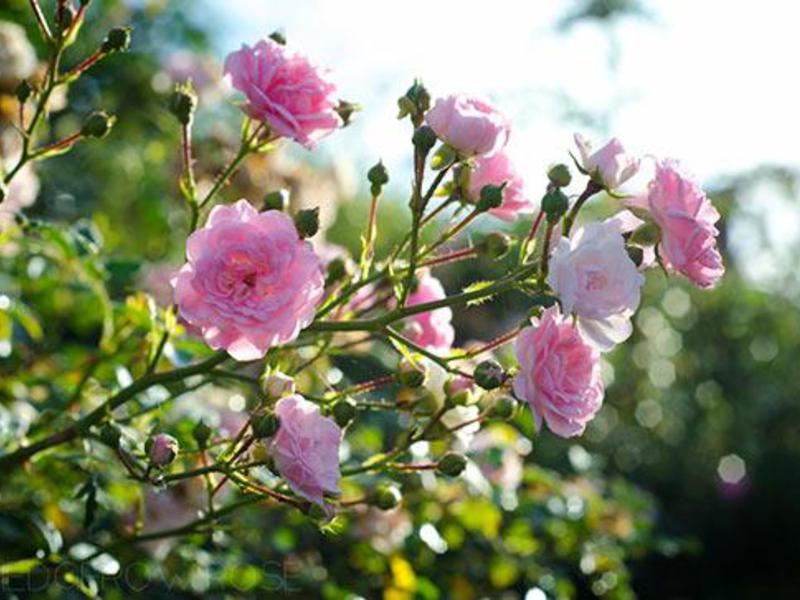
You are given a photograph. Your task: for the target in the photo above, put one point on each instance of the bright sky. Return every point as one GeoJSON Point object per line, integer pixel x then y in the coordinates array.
{"type": "Point", "coordinates": [711, 82]}
{"type": "Point", "coordinates": [706, 81]}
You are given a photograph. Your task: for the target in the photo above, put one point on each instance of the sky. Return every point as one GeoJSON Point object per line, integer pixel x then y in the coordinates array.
{"type": "Point", "coordinates": [707, 81]}
{"type": "Point", "coordinates": [713, 83]}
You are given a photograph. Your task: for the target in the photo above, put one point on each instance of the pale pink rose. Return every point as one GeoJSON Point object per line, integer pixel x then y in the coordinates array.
{"type": "Point", "coordinates": [284, 89]}
{"type": "Point", "coordinates": [497, 170]}
{"type": "Point", "coordinates": [559, 374]}
{"type": "Point", "coordinates": [21, 193]}
{"type": "Point", "coordinates": [687, 220]}
{"type": "Point", "coordinates": [249, 282]}
{"type": "Point", "coordinates": [162, 449]}
{"type": "Point", "coordinates": [306, 449]}
{"type": "Point", "coordinates": [609, 165]}
{"type": "Point", "coordinates": [431, 330]}
{"type": "Point", "coordinates": [595, 278]}
{"type": "Point", "coordinates": [469, 125]}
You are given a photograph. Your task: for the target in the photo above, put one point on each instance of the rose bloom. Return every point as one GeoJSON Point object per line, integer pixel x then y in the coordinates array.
{"type": "Point", "coordinates": [21, 193]}
{"type": "Point", "coordinates": [306, 449]}
{"type": "Point", "coordinates": [469, 125]}
{"type": "Point", "coordinates": [431, 330]}
{"type": "Point", "coordinates": [595, 278]}
{"type": "Point", "coordinates": [249, 282]}
{"type": "Point", "coordinates": [284, 89]}
{"type": "Point", "coordinates": [497, 170]}
{"type": "Point", "coordinates": [610, 164]}
{"type": "Point", "coordinates": [559, 374]}
{"type": "Point", "coordinates": [687, 220]}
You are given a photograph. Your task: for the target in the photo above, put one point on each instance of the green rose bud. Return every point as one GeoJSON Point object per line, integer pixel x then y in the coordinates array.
{"type": "Point", "coordinates": [117, 40]}
{"type": "Point", "coordinates": [110, 434]}
{"type": "Point", "coordinates": [491, 197]}
{"type": "Point", "coordinates": [554, 204]}
{"type": "Point", "coordinates": [278, 36]}
{"type": "Point", "coordinates": [504, 407]}
{"type": "Point", "coordinates": [452, 464]}
{"type": "Point", "coordinates": [265, 425]}
{"type": "Point", "coordinates": [489, 375]}
{"type": "Point", "coordinates": [424, 139]}
{"type": "Point", "coordinates": [494, 246]}
{"type": "Point", "coordinates": [23, 91]}
{"type": "Point", "coordinates": [559, 175]}
{"type": "Point", "coordinates": [307, 222]}
{"type": "Point", "coordinates": [387, 497]}
{"type": "Point", "coordinates": [277, 200]}
{"type": "Point", "coordinates": [97, 124]}
{"type": "Point", "coordinates": [183, 102]}
{"type": "Point", "coordinates": [201, 434]}
{"type": "Point", "coordinates": [378, 176]}
{"type": "Point", "coordinates": [346, 110]}
{"type": "Point", "coordinates": [344, 411]}
{"type": "Point", "coordinates": [411, 374]}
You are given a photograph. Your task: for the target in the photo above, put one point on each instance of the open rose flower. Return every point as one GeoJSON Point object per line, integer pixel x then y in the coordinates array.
{"type": "Point", "coordinates": [306, 449]}
{"type": "Point", "coordinates": [610, 166]}
{"type": "Point", "coordinates": [249, 282]}
{"type": "Point", "coordinates": [559, 374]}
{"type": "Point", "coordinates": [431, 329]}
{"type": "Point", "coordinates": [469, 125]}
{"type": "Point", "coordinates": [595, 278]}
{"type": "Point", "coordinates": [687, 220]}
{"type": "Point", "coordinates": [284, 89]}
{"type": "Point", "coordinates": [498, 170]}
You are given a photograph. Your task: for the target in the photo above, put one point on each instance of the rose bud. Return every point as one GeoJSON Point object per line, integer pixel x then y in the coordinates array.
{"type": "Point", "coordinates": [276, 385]}
{"type": "Point", "coordinates": [161, 449]}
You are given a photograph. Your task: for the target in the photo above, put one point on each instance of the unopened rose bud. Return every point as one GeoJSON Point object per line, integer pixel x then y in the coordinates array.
{"type": "Point", "coordinates": [443, 157]}
{"type": "Point", "coordinates": [307, 222]}
{"type": "Point", "coordinates": [554, 204]}
{"type": "Point", "coordinates": [415, 103]}
{"type": "Point", "coordinates": [276, 385]}
{"type": "Point", "coordinates": [278, 36]}
{"type": "Point", "coordinates": [636, 254]}
{"type": "Point", "coordinates": [648, 234]}
{"type": "Point", "coordinates": [277, 200]}
{"type": "Point", "coordinates": [387, 497]}
{"type": "Point", "coordinates": [161, 449]}
{"type": "Point", "coordinates": [201, 434]}
{"type": "Point", "coordinates": [491, 197]}
{"type": "Point", "coordinates": [410, 373]}
{"type": "Point", "coordinates": [424, 139]}
{"type": "Point", "coordinates": [110, 434]}
{"type": "Point", "coordinates": [183, 102]}
{"type": "Point", "coordinates": [489, 375]}
{"type": "Point", "coordinates": [336, 270]}
{"type": "Point", "coordinates": [377, 176]}
{"type": "Point", "coordinates": [559, 175]}
{"type": "Point", "coordinates": [346, 110]}
{"type": "Point", "coordinates": [265, 425]}
{"type": "Point", "coordinates": [459, 391]}
{"type": "Point", "coordinates": [23, 91]}
{"type": "Point", "coordinates": [452, 464]}
{"type": "Point", "coordinates": [494, 246]}
{"type": "Point", "coordinates": [504, 407]}
{"type": "Point", "coordinates": [344, 411]}
{"type": "Point", "coordinates": [117, 40]}
{"type": "Point", "coordinates": [97, 124]}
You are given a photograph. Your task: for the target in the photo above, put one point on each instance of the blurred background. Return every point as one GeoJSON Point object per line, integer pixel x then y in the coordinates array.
{"type": "Point", "coordinates": [684, 486]}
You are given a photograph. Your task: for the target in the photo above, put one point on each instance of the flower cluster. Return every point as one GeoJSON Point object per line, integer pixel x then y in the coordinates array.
{"type": "Point", "coordinates": [254, 289]}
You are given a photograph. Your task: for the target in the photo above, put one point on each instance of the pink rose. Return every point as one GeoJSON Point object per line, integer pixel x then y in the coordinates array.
{"type": "Point", "coordinates": [306, 449]}
{"type": "Point", "coordinates": [285, 90]}
{"type": "Point", "coordinates": [595, 278]}
{"type": "Point", "coordinates": [497, 170]}
{"type": "Point", "coordinates": [431, 330]}
{"type": "Point", "coordinates": [610, 166]}
{"type": "Point", "coordinates": [249, 282]}
{"type": "Point", "coordinates": [559, 374]}
{"type": "Point", "coordinates": [469, 125]}
{"type": "Point", "coordinates": [686, 218]}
